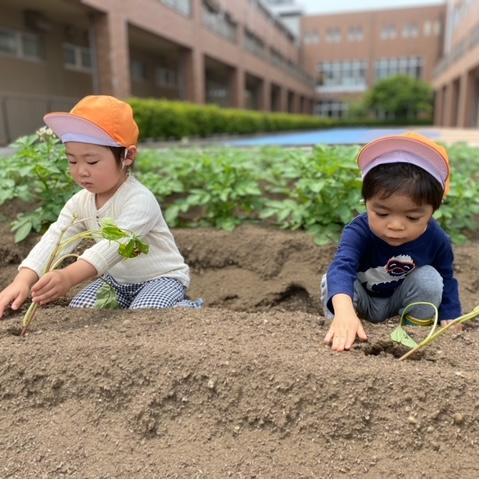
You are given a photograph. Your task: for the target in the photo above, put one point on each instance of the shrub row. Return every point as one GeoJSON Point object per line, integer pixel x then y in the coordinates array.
{"type": "Point", "coordinates": [174, 120]}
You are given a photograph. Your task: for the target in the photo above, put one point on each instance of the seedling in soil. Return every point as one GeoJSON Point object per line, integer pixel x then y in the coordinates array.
{"type": "Point", "coordinates": [399, 335]}
{"type": "Point", "coordinates": [129, 246]}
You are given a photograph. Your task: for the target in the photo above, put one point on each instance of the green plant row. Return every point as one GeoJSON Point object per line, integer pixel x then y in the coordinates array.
{"type": "Point", "coordinates": [315, 190]}
{"type": "Point", "coordinates": [174, 120]}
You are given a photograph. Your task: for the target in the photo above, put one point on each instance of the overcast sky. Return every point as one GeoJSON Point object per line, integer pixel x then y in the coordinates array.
{"type": "Point", "coordinates": [330, 6]}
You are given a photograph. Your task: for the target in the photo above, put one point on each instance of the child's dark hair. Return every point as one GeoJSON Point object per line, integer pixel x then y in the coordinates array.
{"type": "Point", "coordinates": [118, 153]}
{"type": "Point", "coordinates": [405, 178]}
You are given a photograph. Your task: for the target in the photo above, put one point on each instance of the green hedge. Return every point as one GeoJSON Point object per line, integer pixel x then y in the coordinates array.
{"type": "Point", "coordinates": [166, 120]}
{"type": "Point", "coordinates": [174, 120]}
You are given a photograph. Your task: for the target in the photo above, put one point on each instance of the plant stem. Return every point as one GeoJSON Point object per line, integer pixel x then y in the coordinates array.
{"type": "Point", "coordinates": [27, 319]}
{"type": "Point", "coordinates": [430, 339]}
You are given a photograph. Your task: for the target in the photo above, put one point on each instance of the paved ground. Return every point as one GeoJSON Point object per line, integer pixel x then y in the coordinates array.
{"type": "Point", "coordinates": [452, 135]}
{"type": "Point", "coordinates": [332, 136]}
{"type": "Point", "coordinates": [351, 136]}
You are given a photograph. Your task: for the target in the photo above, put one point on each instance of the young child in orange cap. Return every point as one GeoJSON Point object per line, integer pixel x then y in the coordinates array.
{"type": "Point", "coordinates": [100, 137]}
{"type": "Point", "coordinates": [395, 253]}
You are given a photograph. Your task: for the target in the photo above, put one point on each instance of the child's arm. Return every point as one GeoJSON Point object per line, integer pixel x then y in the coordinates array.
{"type": "Point", "coordinates": [18, 290]}
{"type": "Point", "coordinates": [56, 283]}
{"type": "Point", "coordinates": [450, 307]}
{"type": "Point", "coordinates": [345, 325]}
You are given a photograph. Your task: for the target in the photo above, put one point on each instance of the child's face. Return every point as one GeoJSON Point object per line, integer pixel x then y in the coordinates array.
{"type": "Point", "coordinates": [397, 219]}
{"type": "Point", "coordinates": [94, 168]}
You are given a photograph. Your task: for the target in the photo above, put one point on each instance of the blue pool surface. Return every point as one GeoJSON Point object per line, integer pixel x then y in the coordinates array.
{"type": "Point", "coordinates": [333, 136]}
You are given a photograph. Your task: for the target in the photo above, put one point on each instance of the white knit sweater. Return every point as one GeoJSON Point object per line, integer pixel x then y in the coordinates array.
{"type": "Point", "coordinates": [132, 207]}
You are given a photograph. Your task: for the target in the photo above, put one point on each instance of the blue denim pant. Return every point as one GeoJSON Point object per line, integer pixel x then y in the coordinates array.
{"type": "Point", "coordinates": [423, 284]}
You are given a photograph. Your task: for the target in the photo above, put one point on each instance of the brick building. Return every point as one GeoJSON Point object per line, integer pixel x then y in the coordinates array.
{"type": "Point", "coordinates": [235, 54]}
{"type": "Point", "coordinates": [456, 77]}
{"type": "Point", "coordinates": [348, 52]}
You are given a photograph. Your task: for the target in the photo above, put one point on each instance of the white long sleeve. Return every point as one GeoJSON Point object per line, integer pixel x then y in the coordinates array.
{"type": "Point", "coordinates": [132, 207]}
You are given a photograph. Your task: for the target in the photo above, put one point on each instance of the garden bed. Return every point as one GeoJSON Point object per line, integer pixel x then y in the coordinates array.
{"type": "Point", "coordinates": [243, 388]}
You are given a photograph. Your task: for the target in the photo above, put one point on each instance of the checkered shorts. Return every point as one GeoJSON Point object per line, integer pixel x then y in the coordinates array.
{"type": "Point", "coordinates": [157, 293]}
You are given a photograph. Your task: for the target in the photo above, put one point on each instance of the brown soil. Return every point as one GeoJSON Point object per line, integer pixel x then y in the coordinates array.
{"type": "Point", "coordinates": [244, 388]}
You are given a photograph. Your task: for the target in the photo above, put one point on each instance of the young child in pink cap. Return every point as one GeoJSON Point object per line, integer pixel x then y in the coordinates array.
{"type": "Point", "coordinates": [395, 253]}
{"type": "Point", "coordinates": [100, 137]}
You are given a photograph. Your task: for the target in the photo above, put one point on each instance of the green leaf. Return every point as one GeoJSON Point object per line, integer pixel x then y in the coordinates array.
{"type": "Point", "coordinates": [400, 336]}
{"type": "Point", "coordinates": [23, 231]}
{"type": "Point", "coordinates": [106, 297]}
{"type": "Point", "coordinates": [133, 248]}
{"type": "Point", "coordinates": [111, 231]}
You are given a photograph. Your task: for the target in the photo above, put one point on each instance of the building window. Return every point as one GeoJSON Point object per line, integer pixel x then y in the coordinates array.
{"type": "Point", "coordinates": [76, 57]}
{"type": "Point", "coordinates": [138, 71]}
{"type": "Point", "coordinates": [388, 67]}
{"type": "Point", "coordinates": [388, 32]}
{"type": "Point", "coordinates": [254, 44]}
{"type": "Point", "coordinates": [333, 35]}
{"type": "Point", "coordinates": [311, 38]}
{"type": "Point", "coordinates": [277, 59]}
{"type": "Point", "coordinates": [436, 27]}
{"type": "Point", "coordinates": [27, 46]}
{"type": "Point", "coordinates": [410, 30]}
{"type": "Point", "coordinates": [427, 28]}
{"type": "Point", "coordinates": [331, 109]}
{"type": "Point", "coordinates": [355, 34]}
{"type": "Point", "coordinates": [181, 6]}
{"type": "Point", "coordinates": [166, 77]}
{"type": "Point", "coordinates": [217, 93]}
{"type": "Point", "coordinates": [219, 21]}
{"type": "Point", "coordinates": [342, 76]}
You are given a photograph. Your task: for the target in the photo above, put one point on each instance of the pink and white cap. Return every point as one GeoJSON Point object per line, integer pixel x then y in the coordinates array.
{"type": "Point", "coordinates": [408, 147]}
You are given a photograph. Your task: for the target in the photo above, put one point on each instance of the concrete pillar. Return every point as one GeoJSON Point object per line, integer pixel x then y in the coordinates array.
{"type": "Point", "coordinates": [283, 99]}
{"type": "Point", "coordinates": [464, 101]}
{"type": "Point", "coordinates": [475, 103]}
{"type": "Point", "coordinates": [302, 107]}
{"type": "Point", "coordinates": [438, 106]}
{"type": "Point", "coordinates": [110, 32]}
{"type": "Point", "coordinates": [193, 71]}
{"type": "Point", "coordinates": [265, 95]}
{"type": "Point", "coordinates": [237, 88]}
{"type": "Point", "coordinates": [448, 105]}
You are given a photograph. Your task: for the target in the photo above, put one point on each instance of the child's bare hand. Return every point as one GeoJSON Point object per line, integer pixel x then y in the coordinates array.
{"type": "Point", "coordinates": [50, 286]}
{"type": "Point", "coordinates": [458, 327]}
{"type": "Point", "coordinates": [343, 332]}
{"type": "Point", "coordinates": [14, 296]}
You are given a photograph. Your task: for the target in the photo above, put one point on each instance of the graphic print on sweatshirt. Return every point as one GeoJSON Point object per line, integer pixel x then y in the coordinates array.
{"type": "Point", "coordinates": [385, 279]}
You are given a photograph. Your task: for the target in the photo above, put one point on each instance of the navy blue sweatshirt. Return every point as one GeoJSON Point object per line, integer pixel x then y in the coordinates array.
{"type": "Point", "coordinates": [381, 268]}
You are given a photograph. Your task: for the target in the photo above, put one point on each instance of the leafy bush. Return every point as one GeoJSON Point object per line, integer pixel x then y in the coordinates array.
{"type": "Point", "coordinates": [36, 174]}
{"type": "Point", "coordinates": [403, 97]}
{"type": "Point", "coordinates": [221, 188]}
{"type": "Point", "coordinates": [323, 193]}
{"type": "Point", "coordinates": [165, 120]}
{"type": "Point", "coordinates": [316, 190]}
{"type": "Point", "coordinates": [460, 212]}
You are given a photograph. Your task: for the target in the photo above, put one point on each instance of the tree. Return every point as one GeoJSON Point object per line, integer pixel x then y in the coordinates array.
{"type": "Point", "coordinates": [401, 98]}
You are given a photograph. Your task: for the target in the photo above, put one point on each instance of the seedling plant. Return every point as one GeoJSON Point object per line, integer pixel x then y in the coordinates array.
{"type": "Point", "coordinates": [399, 335]}
{"type": "Point", "coordinates": [129, 246]}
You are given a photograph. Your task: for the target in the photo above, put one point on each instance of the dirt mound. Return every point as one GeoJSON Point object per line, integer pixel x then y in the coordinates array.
{"type": "Point", "coordinates": [243, 388]}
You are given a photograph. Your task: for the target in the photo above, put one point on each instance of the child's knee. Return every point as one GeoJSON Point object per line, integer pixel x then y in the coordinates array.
{"type": "Point", "coordinates": [424, 284]}
{"type": "Point", "coordinates": [428, 284]}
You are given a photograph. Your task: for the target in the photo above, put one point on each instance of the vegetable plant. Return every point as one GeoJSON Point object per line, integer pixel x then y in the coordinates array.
{"type": "Point", "coordinates": [37, 174]}
{"type": "Point", "coordinates": [129, 246]}
{"type": "Point", "coordinates": [399, 335]}
{"type": "Point", "coordinates": [311, 189]}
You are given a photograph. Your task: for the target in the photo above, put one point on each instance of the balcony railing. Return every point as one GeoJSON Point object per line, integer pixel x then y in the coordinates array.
{"type": "Point", "coordinates": [459, 51]}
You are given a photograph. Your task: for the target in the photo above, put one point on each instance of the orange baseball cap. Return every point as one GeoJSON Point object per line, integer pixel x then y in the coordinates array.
{"type": "Point", "coordinates": [96, 119]}
{"type": "Point", "coordinates": [409, 147]}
